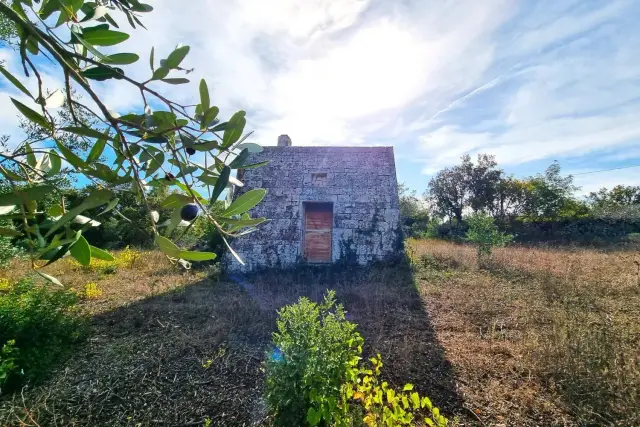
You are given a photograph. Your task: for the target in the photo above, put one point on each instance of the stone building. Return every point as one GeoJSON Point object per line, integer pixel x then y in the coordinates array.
{"type": "Point", "coordinates": [324, 204]}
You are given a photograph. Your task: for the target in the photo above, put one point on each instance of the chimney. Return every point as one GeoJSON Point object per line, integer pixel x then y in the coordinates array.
{"type": "Point", "coordinates": [284, 141]}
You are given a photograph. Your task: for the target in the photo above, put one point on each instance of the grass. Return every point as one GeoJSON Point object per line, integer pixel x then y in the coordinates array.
{"type": "Point", "coordinates": [539, 337]}
{"type": "Point", "coordinates": [191, 346]}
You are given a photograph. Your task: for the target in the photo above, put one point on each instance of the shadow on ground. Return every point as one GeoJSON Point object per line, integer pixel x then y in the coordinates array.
{"type": "Point", "coordinates": [195, 353]}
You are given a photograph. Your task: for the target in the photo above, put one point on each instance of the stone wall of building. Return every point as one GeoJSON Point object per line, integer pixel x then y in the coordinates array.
{"type": "Point", "coordinates": [359, 181]}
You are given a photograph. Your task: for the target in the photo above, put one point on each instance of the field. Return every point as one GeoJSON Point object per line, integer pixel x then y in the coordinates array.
{"type": "Point", "coordinates": [539, 337]}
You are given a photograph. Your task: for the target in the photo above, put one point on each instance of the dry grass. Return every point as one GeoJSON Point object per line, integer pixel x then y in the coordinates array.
{"type": "Point", "coordinates": [191, 347]}
{"type": "Point", "coordinates": [541, 336]}
{"type": "Point", "coordinates": [133, 276]}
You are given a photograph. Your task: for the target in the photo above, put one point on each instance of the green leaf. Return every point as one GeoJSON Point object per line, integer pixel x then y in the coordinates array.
{"type": "Point", "coordinates": [221, 184]}
{"type": "Point", "coordinates": [175, 58]}
{"type": "Point", "coordinates": [206, 146]}
{"type": "Point", "coordinates": [70, 157]}
{"type": "Point", "coordinates": [204, 95]}
{"type": "Point", "coordinates": [81, 251]}
{"type": "Point", "coordinates": [95, 199]}
{"type": "Point", "coordinates": [10, 232]}
{"type": "Point", "coordinates": [176, 218]}
{"type": "Point", "coordinates": [176, 81]}
{"type": "Point", "coordinates": [252, 147]}
{"type": "Point", "coordinates": [21, 197]}
{"type": "Point", "coordinates": [101, 254]}
{"type": "Point", "coordinates": [151, 59]}
{"type": "Point", "coordinates": [49, 278]}
{"type": "Point", "coordinates": [160, 73]}
{"type": "Point", "coordinates": [15, 82]}
{"type": "Point", "coordinates": [239, 223]}
{"type": "Point", "coordinates": [240, 159]}
{"type": "Point", "coordinates": [122, 58]}
{"type": "Point", "coordinates": [48, 8]}
{"type": "Point", "coordinates": [78, 38]}
{"type": "Point", "coordinates": [176, 200]}
{"type": "Point", "coordinates": [197, 256]}
{"type": "Point", "coordinates": [101, 73]}
{"type": "Point", "coordinates": [167, 246]}
{"type": "Point", "coordinates": [140, 7]}
{"type": "Point", "coordinates": [31, 158]}
{"type": "Point", "coordinates": [84, 131]}
{"type": "Point", "coordinates": [255, 165]}
{"type": "Point", "coordinates": [100, 36]}
{"type": "Point", "coordinates": [55, 210]}
{"type": "Point", "coordinates": [112, 204]}
{"type": "Point", "coordinates": [56, 163]}
{"type": "Point", "coordinates": [233, 133]}
{"type": "Point", "coordinates": [245, 202]}
{"type": "Point", "coordinates": [235, 255]}
{"type": "Point", "coordinates": [208, 117]}
{"type": "Point", "coordinates": [11, 175]}
{"type": "Point", "coordinates": [407, 387]}
{"type": "Point", "coordinates": [96, 150]}
{"type": "Point", "coordinates": [32, 115]}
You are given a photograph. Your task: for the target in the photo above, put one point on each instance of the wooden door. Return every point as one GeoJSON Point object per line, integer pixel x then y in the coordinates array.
{"type": "Point", "coordinates": [318, 221]}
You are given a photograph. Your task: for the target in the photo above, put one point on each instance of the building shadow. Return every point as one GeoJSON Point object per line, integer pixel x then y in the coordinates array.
{"type": "Point", "coordinates": [195, 354]}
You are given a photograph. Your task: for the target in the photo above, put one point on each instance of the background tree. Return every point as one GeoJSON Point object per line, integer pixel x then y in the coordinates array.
{"type": "Point", "coordinates": [414, 214]}
{"type": "Point", "coordinates": [510, 198]}
{"type": "Point", "coordinates": [550, 193]}
{"type": "Point", "coordinates": [465, 186]}
{"type": "Point", "coordinates": [620, 195]}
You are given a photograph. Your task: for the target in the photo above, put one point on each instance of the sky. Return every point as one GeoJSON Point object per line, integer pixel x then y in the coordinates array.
{"type": "Point", "coordinates": [528, 81]}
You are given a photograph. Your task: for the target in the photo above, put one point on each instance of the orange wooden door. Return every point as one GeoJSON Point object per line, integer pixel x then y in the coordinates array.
{"type": "Point", "coordinates": [318, 220]}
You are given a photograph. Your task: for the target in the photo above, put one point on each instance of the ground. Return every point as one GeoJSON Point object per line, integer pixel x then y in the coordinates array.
{"type": "Point", "coordinates": [490, 345]}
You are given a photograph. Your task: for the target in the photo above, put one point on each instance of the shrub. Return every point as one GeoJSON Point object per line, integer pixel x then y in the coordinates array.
{"type": "Point", "coordinates": [484, 233]}
{"type": "Point", "coordinates": [315, 375]}
{"type": "Point", "coordinates": [8, 357]}
{"type": "Point", "coordinates": [43, 325]}
{"type": "Point", "coordinates": [91, 291]}
{"type": "Point", "coordinates": [7, 249]}
{"type": "Point", "coordinates": [382, 404]}
{"type": "Point", "coordinates": [315, 346]}
{"type": "Point", "coordinates": [123, 259]}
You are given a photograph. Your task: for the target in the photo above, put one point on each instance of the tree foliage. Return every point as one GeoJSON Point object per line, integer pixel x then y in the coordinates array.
{"type": "Point", "coordinates": [153, 146]}
{"type": "Point", "coordinates": [414, 212]}
{"type": "Point", "coordinates": [465, 186]}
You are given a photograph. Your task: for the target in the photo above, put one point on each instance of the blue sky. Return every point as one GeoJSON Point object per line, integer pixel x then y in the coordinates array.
{"type": "Point", "coordinates": [528, 81]}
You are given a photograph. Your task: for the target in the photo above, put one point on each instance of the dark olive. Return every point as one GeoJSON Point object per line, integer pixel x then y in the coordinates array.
{"type": "Point", "coordinates": [169, 177]}
{"type": "Point", "coordinates": [191, 151]}
{"type": "Point", "coordinates": [189, 212]}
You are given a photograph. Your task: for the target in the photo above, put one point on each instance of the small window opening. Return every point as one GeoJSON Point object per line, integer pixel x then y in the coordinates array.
{"type": "Point", "coordinates": [319, 179]}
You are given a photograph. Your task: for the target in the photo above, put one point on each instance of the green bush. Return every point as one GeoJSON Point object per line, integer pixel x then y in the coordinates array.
{"type": "Point", "coordinates": [315, 375]}
{"type": "Point", "coordinates": [7, 249]}
{"type": "Point", "coordinates": [484, 233]}
{"type": "Point", "coordinates": [43, 325]}
{"type": "Point", "coordinates": [315, 346]}
{"type": "Point", "coordinates": [379, 404]}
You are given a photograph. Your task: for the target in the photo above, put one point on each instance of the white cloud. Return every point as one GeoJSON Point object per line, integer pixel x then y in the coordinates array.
{"type": "Point", "coordinates": [525, 81]}
{"type": "Point", "coordinates": [574, 89]}
{"type": "Point", "coordinates": [609, 179]}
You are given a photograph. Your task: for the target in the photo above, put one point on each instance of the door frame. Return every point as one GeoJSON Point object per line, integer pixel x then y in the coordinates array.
{"type": "Point", "coordinates": [304, 230]}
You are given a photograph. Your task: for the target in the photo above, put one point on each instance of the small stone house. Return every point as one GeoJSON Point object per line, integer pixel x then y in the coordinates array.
{"type": "Point", "coordinates": [324, 204]}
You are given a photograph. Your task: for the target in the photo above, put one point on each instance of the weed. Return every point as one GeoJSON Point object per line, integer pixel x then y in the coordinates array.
{"type": "Point", "coordinates": [41, 323]}
{"type": "Point", "coordinates": [313, 348]}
